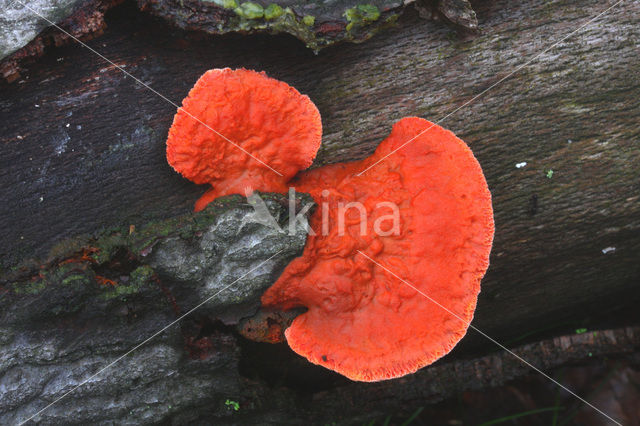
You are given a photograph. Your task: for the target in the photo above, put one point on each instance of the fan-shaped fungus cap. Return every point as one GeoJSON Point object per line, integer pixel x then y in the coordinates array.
{"type": "Point", "coordinates": [243, 111]}
{"type": "Point", "coordinates": [362, 321]}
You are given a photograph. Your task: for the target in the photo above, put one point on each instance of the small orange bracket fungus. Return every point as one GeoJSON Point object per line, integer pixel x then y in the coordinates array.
{"type": "Point", "coordinates": [362, 320]}
{"type": "Point", "coordinates": [240, 128]}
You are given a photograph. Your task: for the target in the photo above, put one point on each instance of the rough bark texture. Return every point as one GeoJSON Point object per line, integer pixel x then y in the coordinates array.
{"type": "Point", "coordinates": [82, 149]}
{"type": "Point", "coordinates": [317, 23]}
{"type": "Point", "coordinates": [25, 35]}
{"type": "Point", "coordinates": [62, 322]}
{"type": "Point", "coordinates": [26, 30]}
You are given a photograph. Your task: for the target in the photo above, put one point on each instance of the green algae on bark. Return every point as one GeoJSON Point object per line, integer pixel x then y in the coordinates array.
{"type": "Point", "coordinates": [317, 23]}
{"type": "Point", "coordinates": [194, 256]}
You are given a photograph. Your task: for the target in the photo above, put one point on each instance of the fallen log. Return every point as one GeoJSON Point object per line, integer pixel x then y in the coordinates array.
{"type": "Point", "coordinates": [82, 152]}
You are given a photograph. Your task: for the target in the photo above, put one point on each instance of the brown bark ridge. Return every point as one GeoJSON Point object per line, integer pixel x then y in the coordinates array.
{"type": "Point", "coordinates": [82, 146]}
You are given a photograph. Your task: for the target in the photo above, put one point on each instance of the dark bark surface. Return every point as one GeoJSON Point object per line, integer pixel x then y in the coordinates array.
{"type": "Point", "coordinates": [110, 300]}
{"type": "Point", "coordinates": [83, 145]}
{"type": "Point", "coordinates": [27, 29]}
{"type": "Point", "coordinates": [82, 149]}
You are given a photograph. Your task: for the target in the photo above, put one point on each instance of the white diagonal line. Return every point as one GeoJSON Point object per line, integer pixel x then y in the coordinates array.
{"type": "Point", "coordinates": [174, 322]}
{"type": "Point", "coordinates": [524, 361]}
{"type": "Point", "coordinates": [497, 83]}
{"type": "Point", "coordinates": [150, 88]}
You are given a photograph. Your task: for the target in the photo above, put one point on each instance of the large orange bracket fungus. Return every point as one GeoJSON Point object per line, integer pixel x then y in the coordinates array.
{"type": "Point", "coordinates": [240, 128]}
{"type": "Point", "coordinates": [422, 216]}
{"type": "Point", "coordinates": [362, 321]}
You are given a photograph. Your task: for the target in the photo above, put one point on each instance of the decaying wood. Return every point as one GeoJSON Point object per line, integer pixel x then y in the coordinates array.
{"type": "Point", "coordinates": [82, 146]}
{"type": "Point", "coordinates": [317, 24]}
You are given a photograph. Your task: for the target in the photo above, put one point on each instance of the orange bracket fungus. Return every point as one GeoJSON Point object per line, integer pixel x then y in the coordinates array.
{"type": "Point", "coordinates": [362, 321]}
{"type": "Point", "coordinates": [240, 128]}
{"type": "Point", "coordinates": [420, 221]}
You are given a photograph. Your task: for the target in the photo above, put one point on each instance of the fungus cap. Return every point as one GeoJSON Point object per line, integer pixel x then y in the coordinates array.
{"type": "Point", "coordinates": [362, 321]}
{"type": "Point", "coordinates": [241, 108]}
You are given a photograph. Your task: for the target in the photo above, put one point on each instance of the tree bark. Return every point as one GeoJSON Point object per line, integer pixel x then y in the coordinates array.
{"type": "Point", "coordinates": [82, 151]}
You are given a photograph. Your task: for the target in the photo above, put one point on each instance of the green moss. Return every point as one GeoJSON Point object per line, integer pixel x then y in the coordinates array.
{"type": "Point", "coordinates": [104, 248]}
{"type": "Point", "coordinates": [107, 247]}
{"type": "Point", "coordinates": [227, 4]}
{"type": "Point", "coordinates": [142, 275]}
{"type": "Point", "coordinates": [68, 247]}
{"type": "Point", "coordinates": [309, 20]}
{"type": "Point", "coordinates": [29, 287]}
{"type": "Point", "coordinates": [363, 20]}
{"type": "Point", "coordinates": [68, 274]}
{"type": "Point", "coordinates": [232, 404]}
{"type": "Point", "coordinates": [392, 19]}
{"type": "Point", "coordinates": [249, 10]}
{"type": "Point", "coordinates": [275, 18]}
{"type": "Point", "coordinates": [360, 15]}
{"type": "Point", "coordinates": [273, 11]}
{"type": "Point", "coordinates": [183, 226]}
{"type": "Point", "coordinates": [75, 278]}
{"type": "Point", "coordinates": [369, 12]}
{"type": "Point", "coordinates": [139, 278]}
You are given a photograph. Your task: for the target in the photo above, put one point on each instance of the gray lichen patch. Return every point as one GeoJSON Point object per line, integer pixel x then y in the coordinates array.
{"type": "Point", "coordinates": [230, 258]}
{"type": "Point", "coordinates": [19, 24]}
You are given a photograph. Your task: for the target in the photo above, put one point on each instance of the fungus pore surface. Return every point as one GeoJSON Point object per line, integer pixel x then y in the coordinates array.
{"type": "Point", "coordinates": [362, 321]}
{"type": "Point", "coordinates": [241, 108]}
